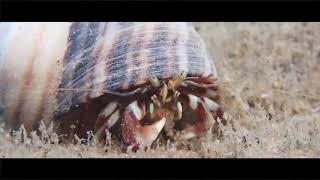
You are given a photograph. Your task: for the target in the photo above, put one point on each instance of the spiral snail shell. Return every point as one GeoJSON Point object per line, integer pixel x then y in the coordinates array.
{"type": "Point", "coordinates": [140, 78]}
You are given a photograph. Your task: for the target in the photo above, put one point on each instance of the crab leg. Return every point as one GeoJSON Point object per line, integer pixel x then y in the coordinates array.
{"type": "Point", "coordinates": [204, 108]}
{"type": "Point", "coordinates": [133, 131]}
{"type": "Point", "coordinates": [107, 118]}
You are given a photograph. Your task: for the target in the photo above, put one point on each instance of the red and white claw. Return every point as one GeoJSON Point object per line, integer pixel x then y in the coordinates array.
{"type": "Point", "coordinates": [133, 131]}
{"type": "Point", "coordinates": [204, 108]}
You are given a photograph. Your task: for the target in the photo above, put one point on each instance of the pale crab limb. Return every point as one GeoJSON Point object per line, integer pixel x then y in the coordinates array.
{"type": "Point", "coordinates": [211, 93]}
{"type": "Point", "coordinates": [155, 101]}
{"type": "Point", "coordinates": [178, 114]}
{"type": "Point", "coordinates": [202, 106]}
{"type": "Point", "coordinates": [210, 104]}
{"type": "Point", "coordinates": [151, 111]}
{"type": "Point", "coordinates": [176, 94]}
{"type": "Point", "coordinates": [107, 118]}
{"type": "Point", "coordinates": [134, 132]}
{"type": "Point", "coordinates": [214, 108]}
{"type": "Point", "coordinates": [155, 81]}
{"type": "Point", "coordinates": [191, 83]}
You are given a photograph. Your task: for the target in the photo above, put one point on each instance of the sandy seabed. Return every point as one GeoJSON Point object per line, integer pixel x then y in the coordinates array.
{"type": "Point", "coordinates": [270, 89]}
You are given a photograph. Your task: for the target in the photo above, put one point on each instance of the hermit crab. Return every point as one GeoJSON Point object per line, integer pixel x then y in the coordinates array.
{"type": "Point", "coordinates": [137, 79]}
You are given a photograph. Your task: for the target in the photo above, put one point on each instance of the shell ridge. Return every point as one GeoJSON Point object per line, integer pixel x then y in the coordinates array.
{"type": "Point", "coordinates": [82, 65]}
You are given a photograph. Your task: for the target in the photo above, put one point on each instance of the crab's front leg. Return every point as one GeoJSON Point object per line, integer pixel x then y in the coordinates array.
{"type": "Point", "coordinates": [203, 107]}
{"type": "Point", "coordinates": [133, 131]}
{"type": "Point", "coordinates": [107, 118]}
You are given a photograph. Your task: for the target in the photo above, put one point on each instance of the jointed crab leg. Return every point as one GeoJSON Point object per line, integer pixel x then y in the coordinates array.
{"type": "Point", "coordinates": [178, 115]}
{"type": "Point", "coordinates": [107, 118]}
{"type": "Point", "coordinates": [133, 131]}
{"type": "Point", "coordinates": [203, 107]}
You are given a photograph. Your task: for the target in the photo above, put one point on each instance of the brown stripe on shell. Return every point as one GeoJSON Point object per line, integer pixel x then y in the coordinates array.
{"type": "Point", "coordinates": [96, 60]}
{"type": "Point", "coordinates": [101, 66]}
{"type": "Point", "coordinates": [192, 61]}
{"type": "Point", "coordinates": [37, 92]}
{"type": "Point", "coordinates": [52, 70]}
{"type": "Point", "coordinates": [129, 59]}
{"type": "Point", "coordinates": [189, 47]}
{"type": "Point", "coordinates": [201, 49]}
{"type": "Point", "coordinates": [125, 37]}
{"type": "Point", "coordinates": [77, 61]}
{"type": "Point", "coordinates": [143, 61]}
{"type": "Point", "coordinates": [179, 53]}
{"type": "Point", "coordinates": [30, 70]}
{"type": "Point", "coordinates": [74, 44]}
{"type": "Point", "coordinates": [26, 82]}
{"type": "Point", "coordinates": [173, 44]}
{"type": "Point", "coordinates": [199, 62]}
{"type": "Point", "coordinates": [134, 58]}
{"type": "Point", "coordinates": [117, 59]}
{"type": "Point", "coordinates": [158, 58]}
{"type": "Point", "coordinates": [83, 67]}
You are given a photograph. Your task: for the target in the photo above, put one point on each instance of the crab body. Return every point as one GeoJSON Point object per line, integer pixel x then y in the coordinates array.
{"type": "Point", "coordinates": [139, 79]}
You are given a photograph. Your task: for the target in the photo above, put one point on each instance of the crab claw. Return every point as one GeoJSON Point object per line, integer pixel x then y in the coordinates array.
{"type": "Point", "coordinates": [134, 132]}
